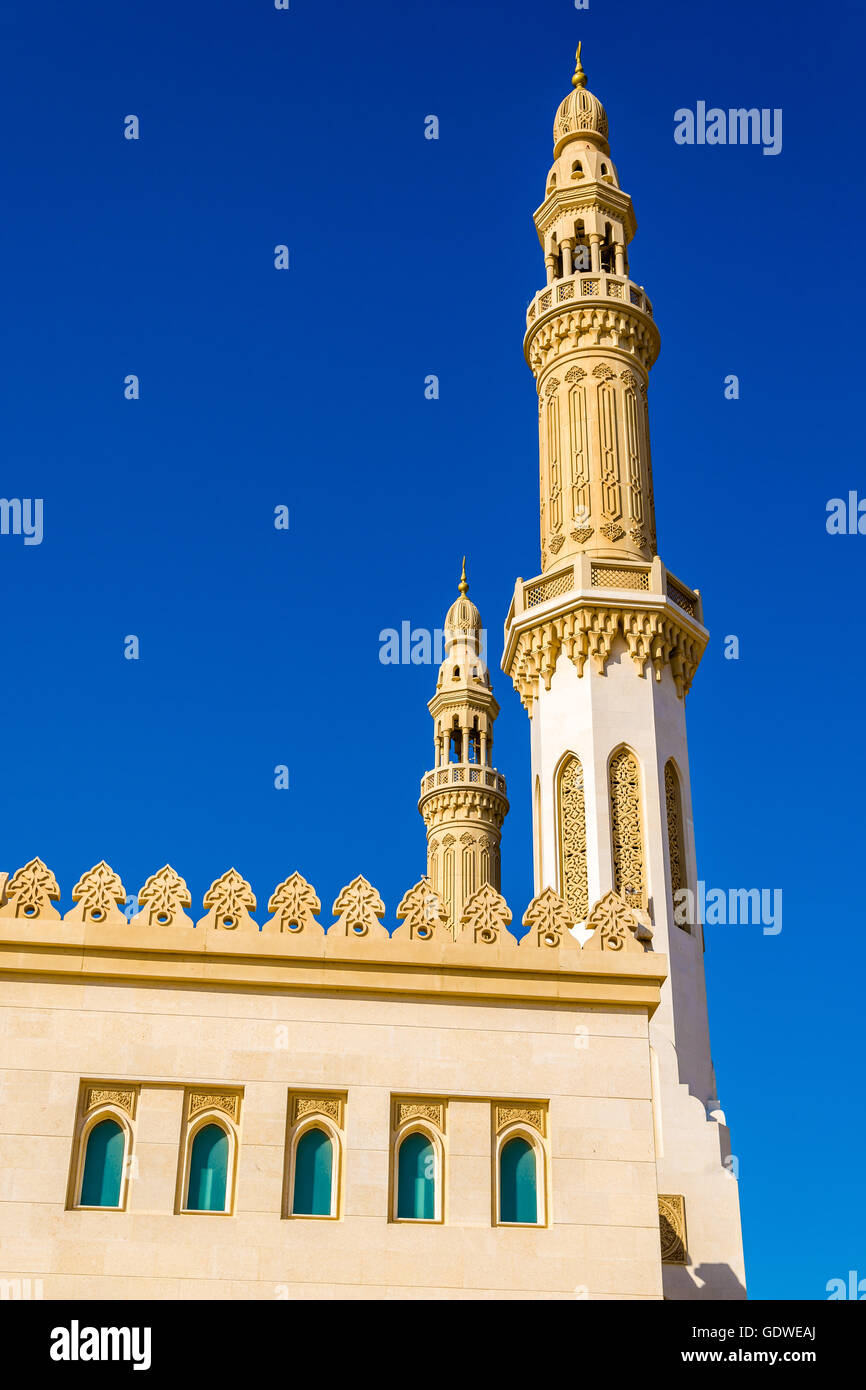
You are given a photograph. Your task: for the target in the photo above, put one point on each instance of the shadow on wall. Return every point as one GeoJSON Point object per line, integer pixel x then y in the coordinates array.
{"type": "Point", "coordinates": [703, 1283]}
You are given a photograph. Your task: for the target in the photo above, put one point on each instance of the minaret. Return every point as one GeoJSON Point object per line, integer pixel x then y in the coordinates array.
{"type": "Point", "coordinates": [463, 799]}
{"type": "Point", "coordinates": [602, 646]}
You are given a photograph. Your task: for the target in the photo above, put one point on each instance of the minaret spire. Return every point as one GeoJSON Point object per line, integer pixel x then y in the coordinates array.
{"type": "Point", "coordinates": [463, 587]}
{"type": "Point", "coordinates": [579, 79]}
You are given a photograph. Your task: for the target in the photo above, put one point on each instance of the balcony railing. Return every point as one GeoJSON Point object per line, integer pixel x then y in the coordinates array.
{"type": "Point", "coordinates": [587, 286]}
{"type": "Point", "coordinates": [462, 774]}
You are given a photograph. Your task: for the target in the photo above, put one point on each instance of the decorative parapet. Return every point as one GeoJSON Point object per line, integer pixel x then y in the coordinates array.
{"type": "Point", "coordinates": [486, 916]}
{"type": "Point", "coordinates": [294, 904]}
{"type": "Point", "coordinates": [30, 893]}
{"type": "Point", "coordinates": [96, 895]}
{"type": "Point", "coordinates": [358, 909]}
{"type": "Point", "coordinates": [422, 913]}
{"type": "Point", "coordinates": [230, 899]}
{"type": "Point", "coordinates": [551, 920]}
{"type": "Point", "coordinates": [616, 926]}
{"type": "Point", "coordinates": [162, 900]}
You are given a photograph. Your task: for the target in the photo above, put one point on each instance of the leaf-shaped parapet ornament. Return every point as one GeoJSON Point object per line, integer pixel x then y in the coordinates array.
{"type": "Point", "coordinates": [486, 917]}
{"type": "Point", "coordinates": [96, 896]}
{"type": "Point", "coordinates": [422, 913]}
{"type": "Point", "coordinates": [162, 900]}
{"type": "Point", "coordinates": [550, 919]}
{"type": "Point", "coordinates": [230, 900]}
{"type": "Point", "coordinates": [358, 908]}
{"type": "Point", "coordinates": [294, 904]}
{"type": "Point", "coordinates": [31, 892]}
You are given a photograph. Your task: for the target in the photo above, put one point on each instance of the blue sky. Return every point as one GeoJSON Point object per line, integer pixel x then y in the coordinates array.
{"type": "Point", "coordinates": [306, 388]}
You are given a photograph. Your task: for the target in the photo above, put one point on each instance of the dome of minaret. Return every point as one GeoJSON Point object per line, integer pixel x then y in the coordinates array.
{"type": "Point", "coordinates": [463, 618]}
{"type": "Point", "coordinates": [581, 114]}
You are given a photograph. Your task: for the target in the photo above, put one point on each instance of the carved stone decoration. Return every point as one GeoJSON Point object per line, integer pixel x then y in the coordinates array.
{"type": "Point", "coordinates": [230, 899]}
{"type": "Point", "coordinates": [615, 926]}
{"type": "Point", "coordinates": [552, 387]}
{"type": "Point", "coordinates": [675, 828]}
{"type": "Point", "coordinates": [626, 826]}
{"type": "Point", "coordinates": [551, 919]}
{"type": "Point", "coordinates": [638, 537]}
{"type": "Point", "coordinates": [533, 1115]}
{"type": "Point", "coordinates": [486, 916]}
{"type": "Point", "coordinates": [422, 912]}
{"type": "Point", "coordinates": [294, 903]}
{"type": "Point", "coordinates": [96, 895]}
{"type": "Point", "coordinates": [556, 544]}
{"type": "Point", "coordinates": [672, 1229]}
{"type": "Point", "coordinates": [358, 909]}
{"type": "Point", "coordinates": [576, 374]}
{"type": "Point", "coordinates": [572, 838]}
{"type": "Point", "coordinates": [227, 1101]}
{"type": "Point", "coordinates": [332, 1106]}
{"type": "Point", "coordinates": [30, 893]}
{"type": "Point", "coordinates": [612, 531]}
{"type": "Point", "coordinates": [162, 900]}
{"type": "Point", "coordinates": [431, 1110]}
{"type": "Point", "coordinates": [603, 372]}
{"type": "Point", "coordinates": [581, 533]}
{"type": "Point", "coordinates": [121, 1096]}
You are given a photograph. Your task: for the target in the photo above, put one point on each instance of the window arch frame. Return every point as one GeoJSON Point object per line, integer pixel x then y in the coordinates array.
{"type": "Point", "coordinates": [671, 762]}
{"type": "Point", "coordinates": [315, 1120]}
{"type": "Point", "coordinates": [645, 896]}
{"type": "Point", "coordinates": [211, 1116]}
{"type": "Point", "coordinates": [520, 1130]}
{"type": "Point", "coordinates": [416, 1125]}
{"type": "Point", "coordinates": [108, 1111]}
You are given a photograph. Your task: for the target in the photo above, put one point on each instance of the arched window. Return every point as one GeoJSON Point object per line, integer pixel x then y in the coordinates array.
{"type": "Point", "coordinates": [676, 847]}
{"type": "Point", "coordinates": [416, 1178]}
{"type": "Point", "coordinates": [314, 1174]}
{"type": "Point", "coordinates": [208, 1170]}
{"type": "Point", "coordinates": [518, 1183]}
{"type": "Point", "coordinates": [577, 170]}
{"type": "Point", "coordinates": [103, 1166]}
{"type": "Point", "coordinates": [574, 885]}
{"type": "Point", "coordinates": [626, 827]}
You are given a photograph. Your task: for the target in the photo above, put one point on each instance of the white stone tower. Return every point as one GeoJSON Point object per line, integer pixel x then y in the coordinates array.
{"type": "Point", "coordinates": [602, 647]}
{"type": "Point", "coordinates": [463, 799]}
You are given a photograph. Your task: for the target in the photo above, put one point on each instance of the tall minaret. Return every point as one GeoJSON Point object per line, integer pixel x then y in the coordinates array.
{"type": "Point", "coordinates": [463, 799]}
{"type": "Point", "coordinates": [603, 646]}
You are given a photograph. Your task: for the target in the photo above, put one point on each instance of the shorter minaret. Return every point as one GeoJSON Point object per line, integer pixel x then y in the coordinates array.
{"type": "Point", "coordinates": [463, 799]}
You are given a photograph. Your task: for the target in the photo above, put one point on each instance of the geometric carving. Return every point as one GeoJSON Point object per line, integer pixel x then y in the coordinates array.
{"type": "Point", "coordinates": [431, 1110]}
{"type": "Point", "coordinates": [358, 908]}
{"type": "Point", "coordinates": [603, 372]}
{"type": "Point", "coordinates": [122, 1097]}
{"type": "Point", "coordinates": [29, 893]}
{"type": "Point", "coordinates": [625, 812]}
{"type": "Point", "coordinates": [581, 534]}
{"type": "Point", "coordinates": [332, 1106]}
{"type": "Point", "coordinates": [609, 577]}
{"type": "Point", "coordinates": [230, 900]}
{"type": "Point", "coordinates": [552, 919]}
{"type": "Point", "coordinates": [294, 904]}
{"type": "Point", "coordinates": [675, 829]}
{"type": "Point", "coordinates": [520, 1114]}
{"type": "Point", "coordinates": [486, 915]}
{"type": "Point", "coordinates": [227, 1101]}
{"type": "Point", "coordinates": [572, 838]}
{"type": "Point", "coordinates": [672, 1228]}
{"type": "Point", "coordinates": [162, 900]}
{"type": "Point", "coordinates": [422, 912]}
{"type": "Point", "coordinates": [96, 895]}
{"type": "Point", "coordinates": [612, 530]}
{"type": "Point", "coordinates": [575, 375]}
{"type": "Point", "coordinates": [615, 926]}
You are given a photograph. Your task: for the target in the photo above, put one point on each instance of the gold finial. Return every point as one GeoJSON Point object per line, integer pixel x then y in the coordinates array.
{"type": "Point", "coordinates": [579, 79]}
{"type": "Point", "coordinates": [463, 587]}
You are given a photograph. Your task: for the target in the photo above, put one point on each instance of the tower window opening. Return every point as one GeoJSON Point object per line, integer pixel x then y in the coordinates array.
{"type": "Point", "coordinates": [455, 746]}
{"type": "Point", "coordinates": [455, 674]}
{"type": "Point", "coordinates": [606, 254]}
{"type": "Point", "coordinates": [577, 170]}
{"type": "Point", "coordinates": [474, 743]}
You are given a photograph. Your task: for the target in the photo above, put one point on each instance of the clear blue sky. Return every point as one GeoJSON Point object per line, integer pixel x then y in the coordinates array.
{"type": "Point", "coordinates": [305, 388]}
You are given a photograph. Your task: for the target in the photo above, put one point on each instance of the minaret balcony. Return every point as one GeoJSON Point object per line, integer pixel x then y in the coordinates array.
{"type": "Point", "coordinates": [587, 287]}
{"type": "Point", "coordinates": [462, 774]}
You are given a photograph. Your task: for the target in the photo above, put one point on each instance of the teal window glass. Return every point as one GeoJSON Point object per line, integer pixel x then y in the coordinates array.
{"type": "Point", "coordinates": [208, 1170]}
{"type": "Point", "coordinates": [416, 1179]}
{"type": "Point", "coordinates": [314, 1169]}
{"type": "Point", "coordinates": [103, 1166]}
{"type": "Point", "coordinates": [518, 1199]}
